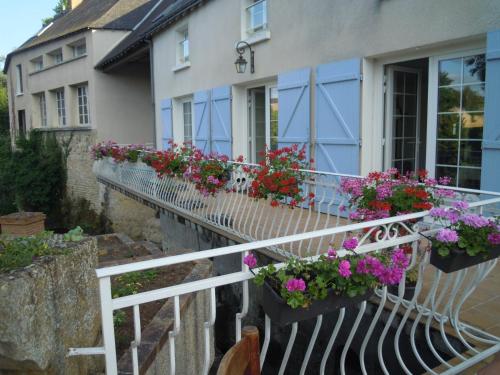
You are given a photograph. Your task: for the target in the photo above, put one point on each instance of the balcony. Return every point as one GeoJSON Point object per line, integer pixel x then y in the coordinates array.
{"type": "Point", "coordinates": [434, 329]}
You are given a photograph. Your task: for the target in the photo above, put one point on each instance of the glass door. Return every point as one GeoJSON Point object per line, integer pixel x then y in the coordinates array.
{"type": "Point", "coordinates": [402, 118]}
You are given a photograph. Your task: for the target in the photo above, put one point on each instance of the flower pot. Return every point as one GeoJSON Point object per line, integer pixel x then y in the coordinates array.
{"type": "Point", "coordinates": [458, 259]}
{"type": "Point", "coordinates": [282, 314]}
{"type": "Point", "coordinates": [409, 290]}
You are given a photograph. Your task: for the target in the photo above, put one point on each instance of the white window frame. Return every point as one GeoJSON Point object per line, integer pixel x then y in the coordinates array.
{"type": "Point", "coordinates": [372, 96]}
{"type": "Point", "coordinates": [254, 29]}
{"type": "Point", "coordinates": [82, 97]}
{"type": "Point", "coordinates": [37, 64]}
{"type": "Point", "coordinates": [57, 56]}
{"type": "Point", "coordinates": [19, 80]}
{"type": "Point", "coordinates": [61, 107]}
{"type": "Point", "coordinates": [252, 152]}
{"type": "Point", "coordinates": [42, 103]}
{"type": "Point", "coordinates": [388, 156]}
{"type": "Point", "coordinates": [181, 106]}
{"type": "Point", "coordinates": [79, 49]}
{"type": "Point", "coordinates": [432, 103]}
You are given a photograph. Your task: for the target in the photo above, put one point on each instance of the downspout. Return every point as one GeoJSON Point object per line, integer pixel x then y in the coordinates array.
{"type": "Point", "coordinates": [152, 87]}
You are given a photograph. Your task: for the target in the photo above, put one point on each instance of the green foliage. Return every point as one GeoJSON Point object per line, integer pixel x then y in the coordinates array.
{"type": "Point", "coordinates": [79, 212]}
{"type": "Point", "coordinates": [131, 282]}
{"type": "Point", "coordinates": [119, 318]}
{"type": "Point", "coordinates": [74, 235]}
{"type": "Point", "coordinates": [7, 176]}
{"type": "Point", "coordinates": [20, 252]}
{"type": "Point", "coordinates": [59, 9]}
{"type": "Point", "coordinates": [40, 175]}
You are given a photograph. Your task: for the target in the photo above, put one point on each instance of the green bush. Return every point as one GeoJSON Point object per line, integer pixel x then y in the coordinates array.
{"type": "Point", "coordinates": [40, 174]}
{"type": "Point", "coordinates": [7, 176]}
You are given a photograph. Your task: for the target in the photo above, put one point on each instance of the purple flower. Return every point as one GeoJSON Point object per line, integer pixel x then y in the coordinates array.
{"type": "Point", "coordinates": [475, 221]}
{"type": "Point", "coordinates": [447, 235]}
{"type": "Point", "coordinates": [461, 205]}
{"type": "Point", "coordinates": [332, 254]}
{"type": "Point", "coordinates": [438, 212]}
{"type": "Point", "coordinates": [383, 191]}
{"type": "Point", "coordinates": [399, 258]}
{"type": "Point", "coordinates": [494, 238]}
{"type": "Point", "coordinates": [345, 269]}
{"type": "Point", "coordinates": [250, 260]}
{"type": "Point", "coordinates": [350, 244]}
{"type": "Point", "coordinates": [293, 285]}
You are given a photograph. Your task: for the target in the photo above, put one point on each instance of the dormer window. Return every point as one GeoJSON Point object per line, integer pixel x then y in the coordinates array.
{"type": "Point", "coordinates": [56, 56]}
{"type": "Point", "coordinates": [79, 49]}
{"type": "Point", "coordinates": [37, 64]}
{"type": "Point", "coordinates": [256, 16]}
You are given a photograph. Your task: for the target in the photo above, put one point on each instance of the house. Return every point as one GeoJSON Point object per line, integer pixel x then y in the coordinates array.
{"type": "Point", "coordinates": [365, 85]}
{"type": "Point", "coordinates": [53, 85]}
{"type": "Point", "coordinates": [54, 88]}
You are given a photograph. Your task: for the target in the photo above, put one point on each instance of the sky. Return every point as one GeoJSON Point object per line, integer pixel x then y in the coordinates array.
{"type": "Point", "coordinates": [21, 19]}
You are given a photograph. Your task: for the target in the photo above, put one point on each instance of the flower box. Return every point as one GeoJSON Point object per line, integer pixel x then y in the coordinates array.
{"type": "Point", "coordinates": [409, 290]}
{"type": "Point", "coordinates": [282, 314]}
{"type": "Point", "coordinates": [458, 259]}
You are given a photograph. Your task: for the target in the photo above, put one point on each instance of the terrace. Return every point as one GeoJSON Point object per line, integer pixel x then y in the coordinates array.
{"type": "Point", "coordinates": [444, 327]}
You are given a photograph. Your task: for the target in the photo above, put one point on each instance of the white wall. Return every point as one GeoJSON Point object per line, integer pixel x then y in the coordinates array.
{"type": "Point", "coordinates": [308, 33]}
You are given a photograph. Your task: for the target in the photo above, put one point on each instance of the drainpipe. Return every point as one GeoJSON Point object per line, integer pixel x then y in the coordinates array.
{"type": "Point", "coordinates": [152, 84]}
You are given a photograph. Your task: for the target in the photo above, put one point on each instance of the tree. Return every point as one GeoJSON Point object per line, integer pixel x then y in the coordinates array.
{"type": "Point", "coordinates": [60, 8]}
{"type": "Point", "coordinates": [4, 103]}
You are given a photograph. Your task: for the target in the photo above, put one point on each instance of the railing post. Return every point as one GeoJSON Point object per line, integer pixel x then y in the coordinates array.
{"type": "Point", "coordinates": [108, 330]}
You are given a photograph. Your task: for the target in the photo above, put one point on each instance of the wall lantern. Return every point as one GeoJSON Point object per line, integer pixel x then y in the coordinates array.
{"type": "Point", "coordinates": [241, 62]}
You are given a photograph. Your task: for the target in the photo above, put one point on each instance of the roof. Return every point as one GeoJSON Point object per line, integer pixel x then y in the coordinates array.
{"type": "Point", "coordinates": [90, 14]}
{"type": "Point", "coordinates": [162, 14]}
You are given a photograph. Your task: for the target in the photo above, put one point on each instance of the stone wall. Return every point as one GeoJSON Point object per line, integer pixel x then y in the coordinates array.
{"type": "Point", "coordinates": [48, 307]}
{"type": "Point", "coordinates": [126, 215]}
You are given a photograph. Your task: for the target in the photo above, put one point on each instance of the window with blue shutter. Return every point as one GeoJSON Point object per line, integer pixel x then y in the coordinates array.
{"type": "Point", "coordinates": [201, 104]}
{"type": "Point", "coordinates": [166, 122]}
{"type": "Point", "coordinates": [221, 133]}
{"type": "Point", "coordinates": [490, 174]}
{"type": "Point", "coordinates": [294, 110]}
{"type": "Point", "coordinates": [338, 95]}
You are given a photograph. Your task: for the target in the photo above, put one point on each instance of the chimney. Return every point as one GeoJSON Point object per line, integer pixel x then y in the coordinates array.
{"type": "Point", "coordinates": [74, 3]}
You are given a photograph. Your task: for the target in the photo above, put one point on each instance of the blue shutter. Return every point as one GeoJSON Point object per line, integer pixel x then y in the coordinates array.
{"type": "Point", "coordinates": [166, 122]}
{"type": "Point", "coordinates": [202, 120]}
{"type": "Point", "coordinates": [294, 108]}
{"type": "Point", "coordinates": [220, 135]}
{"type": "Point", "coordinates": [490, 173]}
{"type": "Point", "coordinates": [338, 95]}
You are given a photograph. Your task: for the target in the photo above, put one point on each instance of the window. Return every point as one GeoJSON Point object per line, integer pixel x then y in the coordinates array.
{"type": "Point", "coordinates": [19, 79]}
{"type": "Point", "coordinates": [273, 118]}
{"type": "Point", "coordinates": [256, 16]}
{"type": "Point", "coordinates": [43, 109]}
{"type": "Point", "coordinates": [56, 56]}
{"type": "Point", "coordinates": [187, 117]}
{"type": "Point", "coordinates": [37, 64]}
{"type": "Point", "coordinates": [460, 119]}
{"type": "Point", "coordinates": [60, 106]}
{"type": "Point", "coordinates": [183, 48]}
{"type": "Point", "coordinates": [79, 49]}
{"type": "Point", "coordinates": [21, 115]}
{"type": "Point", "coordinates": [83, 105]}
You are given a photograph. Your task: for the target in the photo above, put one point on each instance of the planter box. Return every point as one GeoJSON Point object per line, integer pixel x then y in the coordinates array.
{"type": "Point", "coordinates": [20, 224]}
{"type": "Point", "coordinates": [282, 314]}
{"type": "Point", "coordinates": [409, 290]}
{"type": "Point", "coordinates": [458, 259]}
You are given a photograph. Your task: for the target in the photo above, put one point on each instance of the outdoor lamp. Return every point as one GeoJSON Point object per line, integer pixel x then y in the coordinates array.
{"type": "Point", "coordinates": [241, 62]}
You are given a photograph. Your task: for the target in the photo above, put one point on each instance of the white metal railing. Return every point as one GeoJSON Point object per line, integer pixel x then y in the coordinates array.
{"type": "Point", "coordinates": [246, 218]}
{"type": "Point", "coordinates": [433, 310]}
